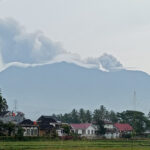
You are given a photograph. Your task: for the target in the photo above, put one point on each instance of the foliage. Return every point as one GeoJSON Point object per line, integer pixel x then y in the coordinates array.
{"type": "Point", "coordinates": [86, 116]}
{"type": "Point", "coordinates": [66, 128]}
{"type": "Point", "coordinates": [3, 104]}
{"type": "Point", "coordinates": [127, 136]}
{"type": "Point", "coordinates": [19, 133]}
{"type": "Point", "coordinates": [7, 129]}
{"type": "Point", "coordinates": [53, 134]}
{"type": "Point", "coordinates": [10, 127]}
{"type": "Point", "coordinates": [135, 118]}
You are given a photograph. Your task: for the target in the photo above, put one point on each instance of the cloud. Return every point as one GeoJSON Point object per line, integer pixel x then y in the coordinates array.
{"type": "Point", "coordinates": [110, 63]}
{"type": "Point", "coordinates": [22, 49]}
{"type": "Point", "coordinates": [105, 62]}
{"type": "Point", "coordinates": [18, 46]}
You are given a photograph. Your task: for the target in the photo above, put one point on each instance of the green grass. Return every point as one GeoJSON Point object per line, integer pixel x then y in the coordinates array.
{"type": "Point", "coordinates": [77, 145]}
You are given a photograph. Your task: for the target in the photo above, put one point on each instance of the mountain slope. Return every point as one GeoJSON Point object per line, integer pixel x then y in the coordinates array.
{"type": "Point", "coordinates": [60, 87]}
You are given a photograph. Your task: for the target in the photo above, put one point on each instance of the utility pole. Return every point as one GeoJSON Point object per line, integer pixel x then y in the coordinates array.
{"type": "Point", "coordinates": [134, 109]}
{"type": "Point", "coordinates": [134, 100]}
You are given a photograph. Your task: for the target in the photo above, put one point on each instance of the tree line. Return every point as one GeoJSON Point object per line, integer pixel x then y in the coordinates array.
{"type": "Point", "coordinates": [138, 120]}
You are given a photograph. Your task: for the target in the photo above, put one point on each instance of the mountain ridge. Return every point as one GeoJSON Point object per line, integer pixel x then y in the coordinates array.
{"type": "Point", "coordinates": [59, 87]}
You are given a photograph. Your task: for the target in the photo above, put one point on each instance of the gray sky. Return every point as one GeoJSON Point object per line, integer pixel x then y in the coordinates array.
{"type": "Point", "coordinates": [89, 27]}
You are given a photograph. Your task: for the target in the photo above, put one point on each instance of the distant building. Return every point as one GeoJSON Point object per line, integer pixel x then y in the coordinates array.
{"type": "Point", "coordinates": [111, 132]}
{"type": "Point", "coordinates": [30, 128]}
{"type": "Point", "coordinates": [47, 124]}
{"type": "Point", "coordinates": [108, 125]}
{"type": "Point", "coordinates": [84, 129]}
{"type": "Point", "coordinates": [9, 116]}
{"type": "Point", "coordinates": [123, 128]}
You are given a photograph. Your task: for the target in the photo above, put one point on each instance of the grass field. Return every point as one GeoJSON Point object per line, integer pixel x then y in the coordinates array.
{"type": "Point", "coordinates": [77, 145]}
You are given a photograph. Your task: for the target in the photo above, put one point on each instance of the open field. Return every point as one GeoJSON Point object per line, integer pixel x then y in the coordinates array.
{"type": "Point", "coordinates": [77, 145]}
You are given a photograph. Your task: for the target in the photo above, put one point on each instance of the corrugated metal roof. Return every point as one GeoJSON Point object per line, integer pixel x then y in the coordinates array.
{"type": "Point", "coordinates": [123, 127]}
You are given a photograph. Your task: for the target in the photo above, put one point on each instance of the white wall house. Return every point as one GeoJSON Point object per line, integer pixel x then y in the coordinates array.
{"type": "Point", "coordinates": [30, 131]}
{"type": "Point", "coordinates": [116, 130]}
{"type": "Point", "coordinates": [30, 128]}
{"type": "Point", "coordinates": [108, 125]}
{"type": "Point", "coordinates": [84, 129]}
{"type": "Point", "coordinates": [110, 130]}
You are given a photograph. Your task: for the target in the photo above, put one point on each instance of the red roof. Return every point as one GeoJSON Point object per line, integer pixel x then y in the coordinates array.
{"type": "Point", "coordinates": [123, 127]}
{"type": "Point", "coordinates": [81, 125]}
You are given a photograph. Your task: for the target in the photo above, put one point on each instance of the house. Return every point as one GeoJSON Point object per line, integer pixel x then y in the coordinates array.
{"type": "Point", "coordinates": [147, 132]}
{"type": "Point", "coordinates": [84, 129]}
{"type": "Point", "coordinates": [123, 128]}
{"type": "Point", "coordinates": [108, 125]}
{"type": "Point", "coordinates": [111, 132]}
{"type": "Point", "coordinates": [30, 128]}
{"type": "Point", "coordinates": [47, 124]}
{"type": "Point", "coordinates": [10, 116]}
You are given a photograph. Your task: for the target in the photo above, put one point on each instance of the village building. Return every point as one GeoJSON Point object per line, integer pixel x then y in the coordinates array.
{"type": "Point", "coordinates": [47, 124]}
{"type": "Point", "coordinates": [84, 129]}
{"type": "Point", "coordinates": [111, 132]}
{"type": "Point", "coordinates": [30, 128]}
{"type": "Point", "coordinates": [9, 116]}
{"type": "Point", "coordinates": [123, 128]}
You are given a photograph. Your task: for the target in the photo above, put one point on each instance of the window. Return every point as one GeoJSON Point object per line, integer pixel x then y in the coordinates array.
{"type": "Point", "coordinates": [28, 132]}
{"type": "Point", "coordinates": [88, 131]}
{"type": "Point", "coordinates": [76, 131]}
{"type": "Point", "coordinates": [83, 131]}
{"type": "Point", "coordinates": [31, 132]}
{"type": "Point", "coordinates": [35, 132]}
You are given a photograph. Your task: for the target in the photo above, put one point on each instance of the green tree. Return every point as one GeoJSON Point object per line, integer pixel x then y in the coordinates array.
{"type": "Point", "coordinates": [3, 104]}
{"type": "Point", "coordinates": [149, 115]}
{"type": "Point", "coordinates": [136, 119]}
{"type": "Point", "coordinates": [1, 128]}
{"type": "Point", "coordinates": [113, 117]}
{"type": "Point", "coordinates": [20, 132]}
{"type": "Point", "coordinates": [75, 116]}
{"type": "Point", "coordinates": [66, 129]}
{"type": "Point", "coordinates": [10, 127]}
{"type": "Point", "coordinates": [82, 115]}
{"type": "Point", "coordinates": [88, 116]}
{"type": "Point", "coordinates": [99, 116]}
{"type": "Point", "coordinates": [100, 125]}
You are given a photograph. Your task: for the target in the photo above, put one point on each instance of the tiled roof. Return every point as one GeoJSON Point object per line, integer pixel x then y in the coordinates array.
{"type": "Point", "coordinates": [81, 125]}
{"type": "Point", "coordinates": [123, 127]}
{"type": "Point", "coordinates": [47, 119]}
{"type": "Point", "coordinates": [27, 122]}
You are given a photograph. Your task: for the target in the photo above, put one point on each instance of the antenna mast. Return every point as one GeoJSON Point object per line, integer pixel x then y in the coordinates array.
{"type": "Point", "coordinates": [134, 100]}
{"type": "Point", "coordinates": [15, 105]}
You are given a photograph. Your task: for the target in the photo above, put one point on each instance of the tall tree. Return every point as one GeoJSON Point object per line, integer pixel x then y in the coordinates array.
{"type": "Point", "coordinates": [149, 115]}
{"type": "Point", "coordinates": [88, 116]}
{"type": "Point", "coordinates": [3, 104]}
{"type": "Point", "coordinates": [75, 116]}
{"type": "Point", "coordinates": [113, 117]}
{"type": "Point", "coordinates": [82, 116]}
{"type": "Point", "coordinates": [136, 119]}
{"type": "Point", "coordinates": [99, 116]}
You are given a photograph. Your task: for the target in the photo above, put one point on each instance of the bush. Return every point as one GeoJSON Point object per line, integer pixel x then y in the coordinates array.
{"type": "Point", "coordinates": [127, 136]}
